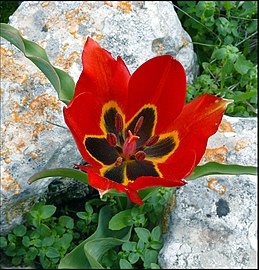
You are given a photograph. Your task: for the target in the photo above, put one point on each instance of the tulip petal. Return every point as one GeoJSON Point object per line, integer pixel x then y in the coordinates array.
{"type": "Point", "coordinates": [102, 75]}
{"type": "Point", "coordinates": [154, 181]}
{"type": "Point", "coordinates": [103, 185]}
{"type": "Point", "coordinates": [161, 81]}
{"type": "Point", "coordinates": [198, 120]}
{"type": "Point", "coordinates": [81, 113]}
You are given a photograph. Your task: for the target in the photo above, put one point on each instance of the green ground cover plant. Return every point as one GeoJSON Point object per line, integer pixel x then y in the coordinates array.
{"type": "Point", "coordinates": [224, 34]}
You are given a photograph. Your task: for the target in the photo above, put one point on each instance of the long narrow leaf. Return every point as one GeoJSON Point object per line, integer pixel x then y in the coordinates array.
{"type": "Point", "coordinates": [60, 172]}
{"type": "Point", "coordinates": [217, 168]}
{"type": "Point", "coordinates": [61, 81]}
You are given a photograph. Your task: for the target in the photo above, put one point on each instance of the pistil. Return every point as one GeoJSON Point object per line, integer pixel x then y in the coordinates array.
{"type": "Point", "coordinates": [129, 146]}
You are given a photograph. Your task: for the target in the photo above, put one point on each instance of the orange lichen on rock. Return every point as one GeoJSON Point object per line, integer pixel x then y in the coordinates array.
{"type": "Point", "coordinates": [108, 3]}
{"type": "Point", "coordinates": [11, 70]}
{"type": "Point", "coordinates": [45, 3]}
{"type": "Point", "coordinates": [216, 154]}
{"type": "Point", "coordinates": [124, 6]}
{"type": "Point", "coordinates": [214, 184]}
{"type": "Point", "coordinates": [241, 145]}
{"type": "Point", "coordinates": [158, 47]}
{"type": "Point", "coordinates": [225, 126]}
{"type": "Point", "coordinates": [44, 101]}
{"type": "Point", "coordinates": [67, 63]}
{"type": "Point", "coordinates": [9, 184]}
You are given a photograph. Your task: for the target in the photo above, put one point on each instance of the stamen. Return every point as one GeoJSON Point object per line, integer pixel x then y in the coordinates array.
{"type": "Point", "coordinates": [138, 124]}
{"type": "Point", "coordinates": [118, 122]}
{"type": "Point", "coordinates": [111, 139]}
{"type": "Point", "coordinates": [118, 161]}
{"type": "Point", "coordinates": [140, 155]}
{"type": "Point", "coordinates": [152, 140]}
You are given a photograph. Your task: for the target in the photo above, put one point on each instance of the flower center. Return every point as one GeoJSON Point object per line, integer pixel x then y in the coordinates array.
{"type": "Point", "coordinates": [128, 147]}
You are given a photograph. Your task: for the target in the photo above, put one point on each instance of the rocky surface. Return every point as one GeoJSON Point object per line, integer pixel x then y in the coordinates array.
{"type": "Point", "coordinates": [33, 133]}
{"type": "Point", "coordinates": [214, 224]}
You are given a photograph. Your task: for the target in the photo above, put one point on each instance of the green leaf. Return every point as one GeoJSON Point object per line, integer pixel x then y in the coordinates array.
{"type": "Point", "coordinates": [143, 234]}
{"type": "Point", "coordinates": [81, 257]}
{"type": "Point", "coordinates": [156, 233]}
{"type": "Point", "coordinates": [66, 221]}
{"type": "Point", "coordinates": [26, 241]}
{"type": "Point", "coordinates": [3, 242]}
{"type": "Point", "coordinates": [48, 241]}
{"type": "Point", "coordinates": [61, 81]}
{"type": "Point", "coordinates": [124, 264]}
{"type": "Point", "coordinates": [150, 256]}
{"type": "Point", "coordinates": [133, 257]}
{"type": "Point", "coordinates": [52, 252]}
{"type": "Point", "coordinates": [44, 230]}
{"type": "Point", "coordinates": [60, 172]}
{"type": "Point", "coordinates": [46, 211]}
{"type": "Point", "coordinates": [20, 230]}
{"type": "Point", "coordinates": [121, 220]}
{"type": "Point", "coordinates": [219, 53]}
{"type": "Point", "coordinates": [242, 65]}
{"type": "Point", "coordinates": [217, 168]}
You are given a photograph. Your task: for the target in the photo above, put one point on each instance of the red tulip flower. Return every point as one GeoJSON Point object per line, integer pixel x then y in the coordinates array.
{"type": "Point", "coordinates": [135, 130]}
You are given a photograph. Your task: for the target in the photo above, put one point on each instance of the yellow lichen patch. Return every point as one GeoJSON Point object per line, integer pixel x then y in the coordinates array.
{"type": "Point", "coordinates": [241, 145]}
{"type": "Point", "coordinates": [24, 125]}
{"type": "Point", "coordinates": [98, 37]}
{"type": "Point", "coordinates": [73, 29]}
{"type": "Point", "coordinates": [216, 154]}
{"type": "Point", "coordinates": [44, 101]}
{"type": "Point", "coordinates": [168, 209]}
{"type": "Point", "coordinates": [214, 184]}
{"type": "Point", "coordinates": [225, 126]}
{"type": "Point", "coordinates": [9, 184]}
{"type": "Point", "coordinates": [67, 63]}
{"type": "Point", "coordinates": [108, 3]}
{"type": "Point", "coordinates": [7, 159]}
{"type": "Point", "coordinates": [185, 42]}
{"type": "Point", "coordinates": [158, 46]}
{"type": "Point", "coordinates": [34, 155]}
{"type": "Point", "coordinates": [20, 208]}
{"type": "Point", "coordinates": [45, 3]}
{"type": "Point", "coordinates": [11, 70]}
{"type": "Point", "coordinates": [124, 6]}
{"type": "Point", "coordinates": [41, 76]}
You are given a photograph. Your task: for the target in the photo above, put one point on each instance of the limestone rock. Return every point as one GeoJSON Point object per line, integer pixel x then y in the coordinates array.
{"type": "Point", "coordinates": [214, 224]}
{"type": "Point", "coordinates": [34, 135]}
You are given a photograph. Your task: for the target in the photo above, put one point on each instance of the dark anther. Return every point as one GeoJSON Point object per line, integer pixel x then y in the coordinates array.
{"type": "Point", "coordinates": [118, 122]}
{"type": "Point", "coordinates": [152, 140]}
{"type": "Point", "coordinates": [111, 139]}
{"type": "Point", "coordinates": [138, 124]}
{"type": "Point", "coordinates": [140, 155]}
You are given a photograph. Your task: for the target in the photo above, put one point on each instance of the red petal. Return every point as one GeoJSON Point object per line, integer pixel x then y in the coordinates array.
{"type": "Point", "coordinates": [82, 116]}
{"type": "Point", "coordinates": [104, 184]}
{"type": "Point", "coordinates": [102, 75]}
{"type": "Point", "coordinates": [155, 181]}
{"type": "Point", "coordinates": [160, 81]}
{"type": "Point", "coordinates": [198, 120]}
{"type": "Point", "coordinates": [179, 168]}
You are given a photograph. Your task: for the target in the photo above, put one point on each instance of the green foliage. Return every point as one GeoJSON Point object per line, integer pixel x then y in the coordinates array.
{"type": "Point", "coordinates": [224, 37]}
{"type": "Point", "coordinates": [7, 8]}
{"type": "Point", "coordinates": [43, 240]}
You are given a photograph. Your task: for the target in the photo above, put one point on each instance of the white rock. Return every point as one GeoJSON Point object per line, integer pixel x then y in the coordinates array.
{"type": "Point", "coordinates": [216, 216]}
